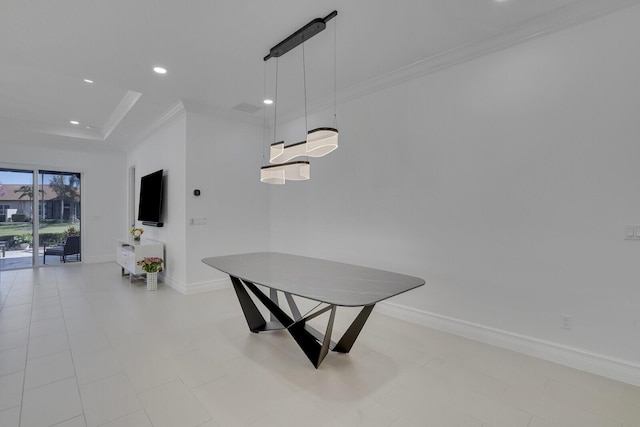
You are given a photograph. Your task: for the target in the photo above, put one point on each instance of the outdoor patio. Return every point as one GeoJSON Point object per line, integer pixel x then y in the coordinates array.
{"type": "Point", "coordinates": [22, 258]}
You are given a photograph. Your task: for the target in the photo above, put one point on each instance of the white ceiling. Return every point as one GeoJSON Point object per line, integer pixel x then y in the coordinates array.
{"type": "Point", "coordinates": [214, 49]}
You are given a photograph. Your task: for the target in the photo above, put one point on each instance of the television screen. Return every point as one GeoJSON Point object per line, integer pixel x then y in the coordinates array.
{"type": "Point", "coordinates": [150, 205]}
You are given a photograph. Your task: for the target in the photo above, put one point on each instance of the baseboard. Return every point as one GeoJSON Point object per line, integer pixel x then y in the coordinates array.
{"type": "Point", "coordinates": [616, 369]}
{"type": "Point", "coordinates": [194, 288]}
{"type": "Point", "coordinates": [98, 259]}
{"type": "Point", "coordinates": [210, 285]}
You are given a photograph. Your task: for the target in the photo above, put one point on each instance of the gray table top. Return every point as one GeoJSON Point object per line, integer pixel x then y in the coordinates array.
{"type": "Point", "coordinates": [317, 279]}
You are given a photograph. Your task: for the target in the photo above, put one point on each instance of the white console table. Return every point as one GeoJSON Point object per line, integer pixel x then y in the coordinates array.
{"type": "Point", "coordinates": [129, 252]}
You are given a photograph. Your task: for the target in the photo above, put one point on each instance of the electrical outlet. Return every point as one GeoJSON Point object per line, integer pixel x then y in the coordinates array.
{"type": "Point", "coordinates": [632, 232]}
{"type": "Point", "coordinates": [565, 320]}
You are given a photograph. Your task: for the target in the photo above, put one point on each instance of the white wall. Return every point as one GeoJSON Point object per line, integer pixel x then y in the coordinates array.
{"type": "Point", "coordinates": [505, 182]}
{"type": "Point", "coordinates": [165, 149]}
{"type": "Point", "coordinates": [223, 162]}
{"type": "Point", "coordinates": [103, 180]}
{"type": "Point", "coordinates": [221, 158]}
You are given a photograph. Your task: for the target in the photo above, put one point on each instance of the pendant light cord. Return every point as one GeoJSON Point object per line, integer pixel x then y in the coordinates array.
{"type": "Point", "coordinates": [265, 135]}
{"type": "Point", "coordinates": [275, 110]}
{"type": "Point", "coordinates": [335, 73]}
{"type": "Point", "coordinates": [304, 78]}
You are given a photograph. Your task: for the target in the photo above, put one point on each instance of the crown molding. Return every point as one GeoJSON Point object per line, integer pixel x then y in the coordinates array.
{"type": "Point", "coordinates": [540, 26]}
{"type": "Point", "coordinates": [174, 112]}
{"type": "Point", "coordinates": [128, 101]}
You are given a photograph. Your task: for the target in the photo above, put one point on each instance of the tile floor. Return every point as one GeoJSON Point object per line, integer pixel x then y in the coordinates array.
{"type": "Point", "coordinates": [81, 346]}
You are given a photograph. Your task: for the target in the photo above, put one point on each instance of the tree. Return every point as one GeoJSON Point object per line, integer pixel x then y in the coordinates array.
{"type": "Point", "coordinates": [27, 191]}
{"type": "Point", "coordinates": [66, 191]}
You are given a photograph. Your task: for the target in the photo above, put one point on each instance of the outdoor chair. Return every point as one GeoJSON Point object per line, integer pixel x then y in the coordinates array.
{"type": "Point", "coordinates": [71, 247]}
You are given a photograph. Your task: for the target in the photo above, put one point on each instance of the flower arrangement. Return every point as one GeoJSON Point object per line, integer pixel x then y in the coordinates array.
{"type": "Point", "coordinates": [151, 264]}
{"type": "Point", "coordinates": [136, 233]}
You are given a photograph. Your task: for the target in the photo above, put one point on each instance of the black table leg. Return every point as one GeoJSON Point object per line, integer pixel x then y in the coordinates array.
{"type": "Point", "coordinates": [314, 344]}
{"type": "Point", "coordinates": [350, 335]}
{"type": "Point", "coordinates": [254, 318]}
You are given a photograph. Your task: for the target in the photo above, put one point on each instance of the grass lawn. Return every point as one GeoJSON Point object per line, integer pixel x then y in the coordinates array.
{"type": "Point", "coordinates": [18, 228]}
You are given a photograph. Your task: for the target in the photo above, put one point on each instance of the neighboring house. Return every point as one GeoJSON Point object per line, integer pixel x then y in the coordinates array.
{"type": "Point", "coordinates": [50, 206]}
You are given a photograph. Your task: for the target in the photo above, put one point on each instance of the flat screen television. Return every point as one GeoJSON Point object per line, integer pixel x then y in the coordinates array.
{"type": "Point", "coordinates": [150, 205]}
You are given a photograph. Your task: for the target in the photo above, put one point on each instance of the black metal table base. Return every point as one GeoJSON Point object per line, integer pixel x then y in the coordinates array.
{"type": "Point", "coordinates": [315, 344]}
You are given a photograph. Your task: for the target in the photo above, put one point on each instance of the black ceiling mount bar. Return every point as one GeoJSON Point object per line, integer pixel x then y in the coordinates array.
{"type": "Point", "coordinates": [300, 36]}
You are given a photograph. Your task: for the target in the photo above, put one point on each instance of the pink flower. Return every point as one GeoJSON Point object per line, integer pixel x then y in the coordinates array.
{"type": "Point", "coordinates": [151, 264]}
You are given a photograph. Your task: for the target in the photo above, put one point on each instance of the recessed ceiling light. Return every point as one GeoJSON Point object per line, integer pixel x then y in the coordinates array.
{"type": "Point", "coordinates": [74, 122]}
{"type": "Point", "coordinates": [268, 101]}
{"type": "Point", "coordinates": [90, 127]}
{"type": "Point", "coordinates": [160, 70]}
{"type": "Point", "coordinates": [88, 80]}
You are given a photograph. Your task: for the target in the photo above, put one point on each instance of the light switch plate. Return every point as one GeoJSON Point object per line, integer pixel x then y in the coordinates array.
{"type": "Point", "coordinates": [201, 220]}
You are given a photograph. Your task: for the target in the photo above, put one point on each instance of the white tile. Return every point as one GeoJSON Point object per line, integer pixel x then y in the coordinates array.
{"type": "Point", "coordinates": [45, 292]}
{"type": "Point", "coordinates": [176, 352]}
{"type": "Point", "coordinates": [73, 422]}
{"type": "Point", "coordinates": [10, 417]}
{"type": "Point", "coordinates": [96, 365]}
{"type": "Point", "coordinates": [108, 399]}
{"type": "Point", "coordinates": [491, 410]}
{"type": "Point", "coordinates": [75, 311]}
{"type": "Point", "coordinates": [403, 422]}
{"type": "Point", "coordinates": [13, 360]}
{"type": "Point", "coordinates": [136, 345]}
{"type": "Point", "coordinates": [14, 322]}
{"type": "Point", "coordinates": [47, 369]}
{"type": "Point", "coordinates": [14, 338]}
{"type": "Point", "coordinates": [51, 404]}
{"type": "Point", "coordinates": [40, 302]}
{"type": "Point", "coordinates": [79, 325]}
{"type": "Point", "coordinates": [47, 327]}
{"type": "Point", "coordinates": [172, 405]}
{"type": "Point", "coordinates": [148, 372]}
{"type": "Point", "coordinates": [9, 312]}
{"type": "Point", "coordinates": [631, 395]}
{"type": "Point", "coordinates": [11, 390]}
{"type": "Point", "coordinates": [540, 422]}
{"type": "Point", "coordinates": [201, 363]}
{"type": "Point", "coordinates": [367, 413]}
{"type": "Point", "coordinates": [21, 291]}
{"type": "Point", "coordinates": [136, 419]}
{"type": "Point", "coordinates": [18, 300]}
{"type": "Point", "coordinates": [88, 342]}
{"type": "Point", "coordinates": [47, 344]}
{"type": "Point", "coordinates": [585, 400]}
{"type": "Point", "coordinates": [225, 398]}
{"type": "Point", "coordinates": [46, 313]}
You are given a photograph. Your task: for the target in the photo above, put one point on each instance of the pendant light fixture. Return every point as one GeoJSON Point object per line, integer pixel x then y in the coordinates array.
{"type": "Point", "coordinates": [319, 142]}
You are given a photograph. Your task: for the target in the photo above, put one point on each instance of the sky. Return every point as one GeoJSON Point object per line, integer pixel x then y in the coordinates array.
{"type": "Point", "coordinates": [11, 177]}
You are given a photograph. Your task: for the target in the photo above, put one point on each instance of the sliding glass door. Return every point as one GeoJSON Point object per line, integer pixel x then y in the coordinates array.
{"type": "Point", "coordinates": [41, 226]}
{"type": "Point", "coordinates": [16, 219]}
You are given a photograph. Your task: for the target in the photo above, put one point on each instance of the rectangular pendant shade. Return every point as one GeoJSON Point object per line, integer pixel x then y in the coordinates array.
{"type": "Point", "coordinates": [279, 174]}
{"type": "Point", "coordinates": [319, 142]}
{"type": "Point", "coordinates": [279, 153]}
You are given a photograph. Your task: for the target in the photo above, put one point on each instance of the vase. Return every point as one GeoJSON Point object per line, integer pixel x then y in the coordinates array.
{"type": "Point", "coordinates": [136, 238]}
{"type": "Point", "coordinates": [152, 281]}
